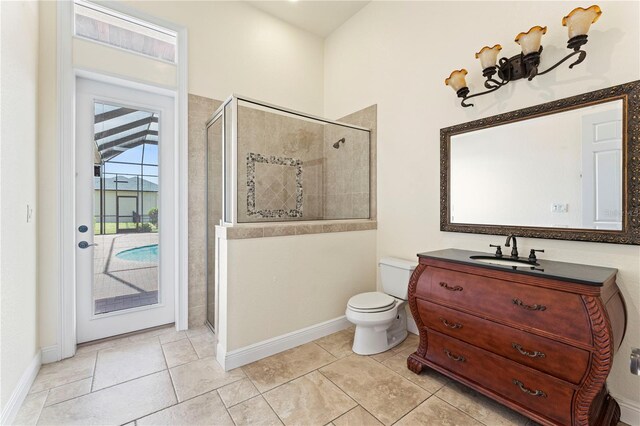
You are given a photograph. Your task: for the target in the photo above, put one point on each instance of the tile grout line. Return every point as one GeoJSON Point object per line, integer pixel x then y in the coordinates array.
{"type": "Point", "coordinates": [325, 365]}
{"type": "Point", "coordinates": [262, 394]}
{"type": "Point", "coordinates": [272, 409]}
{"type": "Point", "coordinates": [41, 408]}
{"type": "Point", "coordinates": [347, 412]}
{"type": "Point", "coordinates": [167, 407]}
{"type": "Point", "coordinates": [291, 380]}
{"type": "Point", "coordinates": [107, 387]}
{"type": "Point", "coordinates": [352, 398]}
{"type": "Point", "coordinates": [186, 400]}
{"type": "Point", "coordinates": [239, 402]}
{"type": "Point", "coordinates": [95, 367]}
{"type": "Point", "coordinates": [64, 384]}
{"type": "Point", "coordinates": [194, 348]}
{"type": "Point", "coordinates": [294, 378]}
{"type": "Point", "coordinates": [392, 371]}
{"type": "Point", "coordinates": [217, 391]}
{"type": "Point", "coordinates": [458, 409]}
{"type": "Point", "coordinates": [92, 376]}
{"type": "Point", "coordinates": [413, 409]}
{"type": "Point", "coordinates": [348, 396]}
{"type": "Point", "coordinates": [166, 363]}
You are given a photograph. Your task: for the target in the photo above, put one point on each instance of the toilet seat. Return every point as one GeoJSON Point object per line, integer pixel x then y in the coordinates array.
{"type": "Point", "coordinates": [371, 302]}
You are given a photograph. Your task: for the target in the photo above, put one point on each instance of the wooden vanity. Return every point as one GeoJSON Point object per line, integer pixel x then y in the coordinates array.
{"type": "Point", "coordinates": [540, 341]}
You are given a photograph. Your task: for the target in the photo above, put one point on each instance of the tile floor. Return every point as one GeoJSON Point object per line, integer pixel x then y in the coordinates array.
{"type": "Point", "coordinates": [164, 377]}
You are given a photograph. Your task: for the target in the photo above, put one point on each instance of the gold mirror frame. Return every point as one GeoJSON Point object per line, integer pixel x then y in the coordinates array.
{"type": "Point", "coordinates": [629, 93]}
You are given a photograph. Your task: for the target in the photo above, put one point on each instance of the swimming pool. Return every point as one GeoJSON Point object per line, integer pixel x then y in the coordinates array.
{"type": "Point", "coordinates": [140, 254]}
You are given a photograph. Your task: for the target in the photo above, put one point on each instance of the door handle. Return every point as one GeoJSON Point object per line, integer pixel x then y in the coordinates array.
{"type": "Point", "coordinates": [84, 244]}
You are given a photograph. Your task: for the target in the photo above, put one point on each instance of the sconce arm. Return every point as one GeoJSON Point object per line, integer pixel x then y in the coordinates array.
{"type": "Point", "coordinates": [478, 94]}
{"type": "Point", "coordinates": [581, 58]}
{"type": "Point", "coordinates": [491, 83]}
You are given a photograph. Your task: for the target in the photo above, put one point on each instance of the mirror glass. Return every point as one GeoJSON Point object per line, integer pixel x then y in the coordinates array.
{"type": "Point", "coordinates": [562, 170]}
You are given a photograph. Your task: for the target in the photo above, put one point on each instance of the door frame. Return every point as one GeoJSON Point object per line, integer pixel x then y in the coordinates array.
{"type": "Point", "coordinates": [66, 93]}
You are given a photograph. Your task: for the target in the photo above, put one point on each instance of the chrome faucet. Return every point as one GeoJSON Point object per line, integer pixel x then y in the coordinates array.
{"type": "Point", "coordinates": [514, 250]}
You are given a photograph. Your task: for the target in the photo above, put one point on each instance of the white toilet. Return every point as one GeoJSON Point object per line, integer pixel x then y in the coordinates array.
{"type": "Point", "coordinates": [381, 318]}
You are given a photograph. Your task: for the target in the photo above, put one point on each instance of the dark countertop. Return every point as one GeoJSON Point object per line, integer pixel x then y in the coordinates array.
{"type": "Point", "coordinates": [571, 272]}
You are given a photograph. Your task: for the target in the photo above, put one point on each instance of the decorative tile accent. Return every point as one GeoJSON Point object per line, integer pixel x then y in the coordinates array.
{"type": "Point", "coordinates": [274, 194]}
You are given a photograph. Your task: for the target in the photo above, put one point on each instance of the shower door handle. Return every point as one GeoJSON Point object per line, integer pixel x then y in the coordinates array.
{"type": "Point", "coordinates": [84, 244]}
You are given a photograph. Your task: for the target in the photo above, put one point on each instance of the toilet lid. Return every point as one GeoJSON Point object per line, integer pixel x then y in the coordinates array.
{"type": "Point", "coordinates": [373, 301]}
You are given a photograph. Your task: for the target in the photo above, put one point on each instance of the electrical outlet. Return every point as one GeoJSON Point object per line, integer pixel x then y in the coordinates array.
{"type": "Point", "coordinates": [559, 208]}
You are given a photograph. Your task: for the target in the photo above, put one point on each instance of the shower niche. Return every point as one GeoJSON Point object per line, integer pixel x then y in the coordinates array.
{"type": "Point", "coordinates": [267, 163]}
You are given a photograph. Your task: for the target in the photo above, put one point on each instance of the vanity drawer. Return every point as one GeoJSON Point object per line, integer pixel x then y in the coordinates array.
{"type": "Point", "coordinates": [560, 360]}
{"type": "Point", "coordinates": [536, 391]}
{"type": "Point", "coordinates": [551, 311]}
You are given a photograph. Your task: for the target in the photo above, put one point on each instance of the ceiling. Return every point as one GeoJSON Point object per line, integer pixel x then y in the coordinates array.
{"type": "Point", "coordinates": [317, 17]}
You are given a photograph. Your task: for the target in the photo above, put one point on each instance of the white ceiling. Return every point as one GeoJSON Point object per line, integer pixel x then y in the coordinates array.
{"type": "Point", "coordinates": [318, 17]}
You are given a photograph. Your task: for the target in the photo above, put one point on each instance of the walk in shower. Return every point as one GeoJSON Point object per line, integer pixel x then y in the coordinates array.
{"type": "Point", "coordinates": [271, 164]}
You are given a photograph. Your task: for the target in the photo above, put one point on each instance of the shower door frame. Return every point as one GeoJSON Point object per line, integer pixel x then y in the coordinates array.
{"type": "Point", "coordinates": [219, 114]}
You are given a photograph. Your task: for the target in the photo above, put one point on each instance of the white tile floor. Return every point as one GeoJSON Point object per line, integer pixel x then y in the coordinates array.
{"type": "Point", "coordinates": [164, 377]}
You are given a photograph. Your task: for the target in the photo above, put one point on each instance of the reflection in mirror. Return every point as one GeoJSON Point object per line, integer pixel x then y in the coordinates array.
{"type": "Point", "coordinates": [562, 170]}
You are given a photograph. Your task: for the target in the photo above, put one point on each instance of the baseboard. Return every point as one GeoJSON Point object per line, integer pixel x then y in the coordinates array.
{"type": "Point", "coordinates": [50, 354]}
{"type": "Point", "coordinates": [629, 411]}
{"type": "Point", "coordinates": [21, 390]}
{"type": "Point", "coordinates": [248, 354]}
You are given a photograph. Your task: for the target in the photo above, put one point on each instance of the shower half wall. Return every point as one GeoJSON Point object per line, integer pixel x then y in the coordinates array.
{"type": "Point", "coordinates": [274, 171]}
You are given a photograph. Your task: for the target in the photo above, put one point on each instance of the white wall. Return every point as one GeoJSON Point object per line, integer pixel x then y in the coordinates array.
{"type": "Point", "coordinates": [232, 48]}
{"type": "Point", "coordinates": [235, 48]}
{"type": "Point", "coordinates": [279, 285]}
{"type": "Point", "coordinates": [48, 236]}
{"type": "Point", "coordinates": [19, 71]}
{"type": "Point", "coordinates": [397, 54]}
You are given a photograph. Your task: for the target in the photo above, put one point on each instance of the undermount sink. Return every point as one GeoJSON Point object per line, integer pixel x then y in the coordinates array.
{"type": "Point", "coordinates": [503, 262]}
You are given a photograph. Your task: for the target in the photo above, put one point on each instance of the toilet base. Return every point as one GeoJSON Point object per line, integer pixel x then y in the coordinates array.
{"type": "Point", "coordinates": [370, 340]}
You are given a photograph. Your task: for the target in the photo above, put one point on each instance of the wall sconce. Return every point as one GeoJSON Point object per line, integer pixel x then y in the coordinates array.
{"type": "Point", "coordinates": [525, 64]}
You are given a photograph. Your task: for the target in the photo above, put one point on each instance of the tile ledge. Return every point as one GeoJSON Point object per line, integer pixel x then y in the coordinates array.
{"type": "Point", "coordinates": [275, 229]}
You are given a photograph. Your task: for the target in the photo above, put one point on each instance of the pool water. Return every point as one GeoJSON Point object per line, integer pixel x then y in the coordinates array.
{"type": "Point", "coordinates": [140, 254]}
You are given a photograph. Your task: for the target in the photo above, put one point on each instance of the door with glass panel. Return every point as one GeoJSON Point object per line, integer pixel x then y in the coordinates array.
{"type": "Point", "coordinates": [125, 193]}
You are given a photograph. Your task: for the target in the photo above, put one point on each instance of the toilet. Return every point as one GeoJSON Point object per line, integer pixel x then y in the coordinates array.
{"type": "Point", "coordinates": [381, 318]}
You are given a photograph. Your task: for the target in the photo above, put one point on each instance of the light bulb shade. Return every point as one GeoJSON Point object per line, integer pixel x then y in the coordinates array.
{"type": "Point", "coordinates": [488, 56]}
{"type": "Point", "coordinates": [579, 20]}
{"type": "Point", "coordinates": [530, 41]}
{"type": "Point", "coordinates": [457, 80]}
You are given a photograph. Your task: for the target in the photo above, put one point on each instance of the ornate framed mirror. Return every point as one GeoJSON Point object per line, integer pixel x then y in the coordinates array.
{"type": "Point", "coordinates": [567, 169]}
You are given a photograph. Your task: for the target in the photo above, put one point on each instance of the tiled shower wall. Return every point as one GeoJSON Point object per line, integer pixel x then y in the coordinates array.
{"type": "Point", "coordinates": [200, 110]}
{"type": "Point", "coordinates": [347, 176]}
{"type": "Point", "coordinates": [280, 141]}
{"type": "Point", "coordinates": [335, 182]}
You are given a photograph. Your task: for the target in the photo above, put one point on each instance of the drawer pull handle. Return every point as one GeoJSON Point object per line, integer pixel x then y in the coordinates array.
{"type": "Point", "coordinates": [446, 286]}
{"type": "Point", "coordinates": [458, 358]}
{"type": "Point", "coordinates": [534, 354]}
{"type": "Point", "coordinates": [529, 391]}
{"type": "Point", "coordinates": [448, 324]}
{"type": "Point", "coordinates": [535, 307]}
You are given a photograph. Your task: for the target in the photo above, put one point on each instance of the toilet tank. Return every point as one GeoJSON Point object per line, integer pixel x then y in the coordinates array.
{"type": "Point", "coordinates": [394, 276]}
